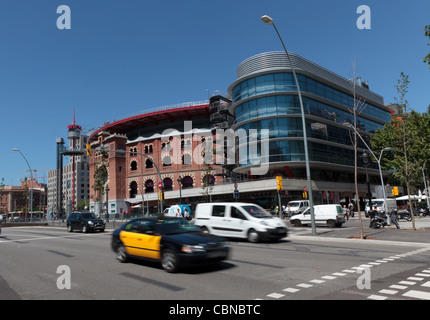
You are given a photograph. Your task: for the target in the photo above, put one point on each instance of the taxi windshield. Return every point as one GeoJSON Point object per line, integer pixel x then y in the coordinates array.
{"type": "Point", "coordinates": [175, 226]}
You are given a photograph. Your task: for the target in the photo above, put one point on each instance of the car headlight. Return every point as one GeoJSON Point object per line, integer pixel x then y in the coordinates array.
{"type": "Point", "coordinates": [264, 223]}
{"type": "Point", "coordinates": [192, 248]}
{"type": "Point", "coordinates": [90, 223]}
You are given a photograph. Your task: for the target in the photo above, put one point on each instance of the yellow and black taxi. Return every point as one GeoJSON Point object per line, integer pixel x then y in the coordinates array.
{"type": "Point", "coordinates": [173, 241]}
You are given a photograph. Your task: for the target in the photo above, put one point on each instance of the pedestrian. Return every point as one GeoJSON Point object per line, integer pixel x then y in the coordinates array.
{"type": "Point", "coordinates": [187, 215]}
{"type": "Point", "coordinates": [351, 209]}
{"type": "Point", "coordinates": [345, 211]}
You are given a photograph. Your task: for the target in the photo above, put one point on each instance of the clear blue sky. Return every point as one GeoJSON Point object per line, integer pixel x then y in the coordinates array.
{"type": "Point", "coordinates": [122, 57]}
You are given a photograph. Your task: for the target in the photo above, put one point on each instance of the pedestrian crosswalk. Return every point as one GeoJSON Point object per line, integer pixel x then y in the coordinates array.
{"type": "Point", "coordinates": [413, 287]}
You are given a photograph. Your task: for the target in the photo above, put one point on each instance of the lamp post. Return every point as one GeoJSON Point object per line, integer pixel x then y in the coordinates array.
{"type": "Point", "coordinates": [366, 160]}
{"type": "Point", "coordinates": [107, 203]}
{"type": "Point", "coordinates": [349, 125]}
{"type": "Point", "coordinates": [180, 189]}
{"type": "Point", "coordinates": [31, 190]}
{"type": "Point", "coordinates": [268, 20]}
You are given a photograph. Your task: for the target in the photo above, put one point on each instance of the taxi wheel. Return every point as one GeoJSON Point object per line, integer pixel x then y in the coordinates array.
{"type": "Point", "coordinates": [121, 255]}
{"type": "Point", "coordinates": [169, 260]}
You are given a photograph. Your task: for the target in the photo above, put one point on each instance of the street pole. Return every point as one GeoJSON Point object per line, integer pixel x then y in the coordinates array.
{"type": "Point", "coordinates": [31, 190]}
{"type": "Point", "coordinates": [268, 20]}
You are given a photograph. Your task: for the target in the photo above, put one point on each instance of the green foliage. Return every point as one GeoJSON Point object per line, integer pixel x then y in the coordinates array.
{"type": "Point", "coordinates": [427, 34]}
{"type": "Point", "coordinates": [409, 137]}
{"type": "Point", "coordinates": [101, 175]}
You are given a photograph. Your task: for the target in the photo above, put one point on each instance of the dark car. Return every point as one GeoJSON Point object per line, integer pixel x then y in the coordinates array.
{"type": "Point", "coordinates": [173, 241]}
{"type": "Point", "coordinates": [84, 221]}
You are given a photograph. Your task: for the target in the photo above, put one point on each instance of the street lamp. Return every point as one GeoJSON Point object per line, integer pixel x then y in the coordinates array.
{"type": "Point", "coordinates": [366, 160]}
{"type": "Point", "coordinates": [31, 190]}
{"type": "Point", "coordinates": [180, 189]}
{"type": "Point", "coordinates": [349, 125]}
{"type": "Point", "coordinates": [107, 203]}
{"type": "Point", "coordinates": [268, 20]}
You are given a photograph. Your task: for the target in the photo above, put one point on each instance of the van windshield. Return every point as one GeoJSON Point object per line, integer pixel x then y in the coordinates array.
{"type": "Point", "coordinates": [294, 204]}
{"type": "Point", "coordinates": [257, 212]}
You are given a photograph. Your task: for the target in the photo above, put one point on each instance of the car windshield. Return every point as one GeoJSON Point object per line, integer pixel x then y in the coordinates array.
{"type": "Point", "coordinates": [88, 215]}
{"type": "Point", "coordinates": [175, 226]}
{"type": "Point", "coordinates": [257, 212]}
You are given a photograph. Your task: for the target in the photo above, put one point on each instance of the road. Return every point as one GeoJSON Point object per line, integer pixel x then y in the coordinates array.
{"type": "Point", "coordinates": [299, 267]}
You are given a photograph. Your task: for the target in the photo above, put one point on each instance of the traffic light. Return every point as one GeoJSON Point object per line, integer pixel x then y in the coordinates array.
{"type": "Point", "coordinates": [279, 183]}
{"type": "Point", "coordinates": [89, 150]}
{"type": "Point", "coordinates": [305, 193]}
{"type": "Point", "coordinates": [160, 195]}
{"type": "Point", "coordinates": [395, 191]}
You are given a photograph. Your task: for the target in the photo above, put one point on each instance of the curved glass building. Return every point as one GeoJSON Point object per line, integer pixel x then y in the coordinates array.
{"type": "Point", "coordinates": [265, 96]}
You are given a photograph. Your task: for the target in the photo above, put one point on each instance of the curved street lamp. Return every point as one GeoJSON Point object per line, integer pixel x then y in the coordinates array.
{"type": "Point", "coordinates": [268, 20]}
{"type": "Point", "coordinates": [31, 190]}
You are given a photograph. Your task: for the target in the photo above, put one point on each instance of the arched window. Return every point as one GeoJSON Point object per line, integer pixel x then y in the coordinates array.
{"type": "Point", "coordinates": [168, 184]}
{"type": "Point", "coordinates": [209, 180]}
{"type": "Point", "coordinates": [149, 186]}
{"type": "Point", "coordinates": [133, 189]}
{"type": "Point", "coordinates": [187, 182]}
{"type": "Point", "coordinates": [133, 165]}
{"type": "Point", "coordinates": [148, 164]}
{"type": "Point", "coordinates": [167, 161]}
{"type": "Point", "coordinates": [186, 159]}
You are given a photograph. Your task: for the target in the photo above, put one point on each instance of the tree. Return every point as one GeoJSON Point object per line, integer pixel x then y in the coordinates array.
{"type": "Point", "coordinates": [100, 177]}
{"type": "Point", "coordinates": [427, 34]}
{"type": "Point", "coordinates": [408, 135]}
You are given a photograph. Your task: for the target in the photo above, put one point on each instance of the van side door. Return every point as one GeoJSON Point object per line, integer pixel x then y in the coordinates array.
{"type": "Point", "coordinates": [218, 220]}
{"type": "Point", "coordinates": [238, 223]}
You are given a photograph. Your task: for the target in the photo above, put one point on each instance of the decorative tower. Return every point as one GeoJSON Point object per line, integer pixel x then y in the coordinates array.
{"type": "Point", "coordinates": [74, 134]}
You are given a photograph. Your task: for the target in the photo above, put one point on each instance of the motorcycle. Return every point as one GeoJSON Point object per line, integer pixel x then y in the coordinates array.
{"type": "Point", "coordinates": [380, 219]}
{"type": "Point", "coordinates": [406, 215]}
{"type": "Point", "coordinates": [424, 212]}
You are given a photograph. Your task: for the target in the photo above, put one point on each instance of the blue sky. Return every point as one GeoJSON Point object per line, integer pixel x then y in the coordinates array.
{"type": "Point", "coordinates": [122, 57]}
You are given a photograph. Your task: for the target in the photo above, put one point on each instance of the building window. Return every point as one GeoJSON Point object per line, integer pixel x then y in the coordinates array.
{"type": "Point", "coordinates": [187, 182]}
{"type": "Point", "coordinates": [168, 184]}
{"type": "Point", "coordinates": [148, 164]}
{"type": "Point", "coordinates": [133, 189]}
{"type": "Point", "coordinates": [149, 186]}
{"type": "Point", "coordinates": [133, 166]}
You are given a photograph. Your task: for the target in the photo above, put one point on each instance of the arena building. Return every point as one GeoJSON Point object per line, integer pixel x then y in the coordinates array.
{"type": "Point", "coordinates": [168, 145]}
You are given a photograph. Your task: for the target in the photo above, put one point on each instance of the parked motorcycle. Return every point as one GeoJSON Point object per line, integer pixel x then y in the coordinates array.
{"type": "Point", "coordinates": [406, 215]}
{"type": "Point", "coordinates": [380, 219]}
{"type": "Point", "coordinates": [424, 212]}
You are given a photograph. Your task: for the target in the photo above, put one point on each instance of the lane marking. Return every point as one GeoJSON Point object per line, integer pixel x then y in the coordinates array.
{"type": "Point", "coordinates": [417, 294]}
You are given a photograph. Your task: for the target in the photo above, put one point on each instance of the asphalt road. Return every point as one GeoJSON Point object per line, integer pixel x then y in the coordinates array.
{"type": "Point", "coordinates": [329, 266]}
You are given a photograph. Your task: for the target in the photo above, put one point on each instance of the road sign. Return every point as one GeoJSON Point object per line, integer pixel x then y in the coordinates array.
{"type": "Point", "coordinates": [160, 185]}
{"type": "Point", "coordinates": [236, 194]}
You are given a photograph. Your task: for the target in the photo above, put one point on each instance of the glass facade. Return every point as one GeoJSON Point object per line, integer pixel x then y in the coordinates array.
{"type": "Point", "coordinates": [283, 82]}
{"type": "Point", "coordinates": [272, 103]}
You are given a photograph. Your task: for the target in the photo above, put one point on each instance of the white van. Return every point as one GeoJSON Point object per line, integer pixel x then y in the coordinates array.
{"type": "Point", "coordinates": [391, 205]}
{"type": "Point", "coordinates": [325, 214]}
{"type": "Point", "coordinates": [239, 220]}
{"type": "Point", "coordinates": [298, 206]}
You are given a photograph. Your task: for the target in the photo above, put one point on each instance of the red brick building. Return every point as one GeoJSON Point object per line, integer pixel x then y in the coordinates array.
{"type": "Point", "coordinates": [172, 140]}
{"type": "Point", "coordinates": [16, 198]}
